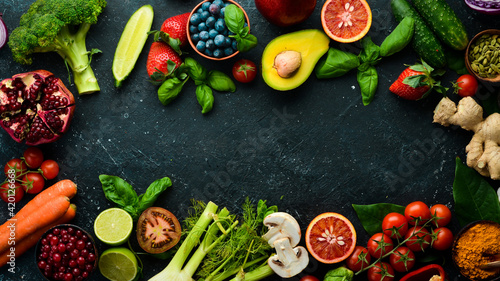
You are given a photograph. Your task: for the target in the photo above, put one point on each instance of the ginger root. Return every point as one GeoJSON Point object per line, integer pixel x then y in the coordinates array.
{"type": "Point", "coordinates": [483, 151]}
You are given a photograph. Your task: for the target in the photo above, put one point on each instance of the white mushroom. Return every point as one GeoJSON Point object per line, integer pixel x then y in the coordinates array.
{"type": "Point", "coordinates": [289, 261]}
{"type": "Point", "coordinates": [282, 225]}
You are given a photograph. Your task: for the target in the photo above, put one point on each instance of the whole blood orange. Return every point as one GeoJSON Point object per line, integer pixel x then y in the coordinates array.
{"type": "Point", "coordinates": [346, 20]}
{"type": "Point", "coordinates": [330, 238]}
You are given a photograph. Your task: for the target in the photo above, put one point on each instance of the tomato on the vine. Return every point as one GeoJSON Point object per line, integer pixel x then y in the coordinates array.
{"type": "Point", "coordinates": [359, 259]}
{"type": "Point", "coordinates": [417, 210]}
{"type": "Point", "coordinates": [442, 215]}
{"type": "Point", "coordinates": [244, 70]}
{"type": "Point", "coordinates": [379, 245]}
{"type": "Point", "coordinates": [403, 259]}
{"type": "Point", "coordinates": [381, 271]}
{"type": "Point", "coordinates": [17, 166]}
{"type": "Point", "coordinates": [419, 238]}
{"type": "Point", "coordinates": [395, 225]}
{"type": "Point", "coordinates": [33, 182]}
{"type": "Point", "coordinates": [309, 278]}
{"type": "Point", "coordinates": [466, 85]}
{"type": "Point", "coordinates": [50, 169]}
{"type": "Point", "coordinates": [443, 238]}
{"type": "Point", "coordinates": [33, 156]}
{"type": "Point", "coordinates": [7, 191]}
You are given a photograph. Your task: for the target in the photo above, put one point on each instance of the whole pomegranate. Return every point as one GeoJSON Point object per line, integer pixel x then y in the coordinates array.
{"type": "Point", "coordinates": [35, 107]}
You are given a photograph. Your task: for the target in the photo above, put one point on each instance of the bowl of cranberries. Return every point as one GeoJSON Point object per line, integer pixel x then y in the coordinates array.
{"type": "Point", "coordinates": [66, 252]}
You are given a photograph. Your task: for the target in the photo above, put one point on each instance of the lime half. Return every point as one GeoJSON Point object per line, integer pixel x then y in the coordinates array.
{"type": "Point", "coordinates": [131, 43]}
{"type": "Point", "coordinates": [113, 226]}
{"type": "Point", "coordinates": [118, 264]}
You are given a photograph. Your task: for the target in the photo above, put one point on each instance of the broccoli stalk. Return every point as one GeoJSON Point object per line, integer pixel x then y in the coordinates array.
{"type": "Point", "coordinates": [59, 26]}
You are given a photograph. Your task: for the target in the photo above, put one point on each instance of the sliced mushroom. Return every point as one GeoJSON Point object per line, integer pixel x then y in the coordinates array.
{"type": "Point", "coordinates": [289, 261]}
{"type": "Point", "coordinates": [282, 225]}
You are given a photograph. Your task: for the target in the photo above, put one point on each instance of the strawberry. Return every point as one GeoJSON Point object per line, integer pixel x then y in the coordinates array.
{"type": "Point", "coordinates": [162, 61]}
{"type": "Point", "coordinates": [176, 28]}
{"type": "Point", "coordinates": [416, 82]}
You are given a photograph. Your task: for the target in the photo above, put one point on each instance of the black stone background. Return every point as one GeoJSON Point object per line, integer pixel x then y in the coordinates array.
{"type": "Point", "coordinates": [310, 150]}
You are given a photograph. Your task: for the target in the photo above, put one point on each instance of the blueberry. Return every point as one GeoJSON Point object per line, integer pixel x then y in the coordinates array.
{"type": "Point", "coordinates": [202, 26]}
{"type": "Point", "coordinates": [200, 46]}
{"type": "Point", "coordinates": [218, 53]}
{"type": "Point", "coordinates": [210, 44]}
{"type": "Point", "coordinates": [221, 13]}
{"type": "Point", "coordinates": [228, 51]}
{"type": "Point", "coordinates": [210, 22]}
{"type": "Point", "coordinates": [227, 42]}
{"type": "Point", "coordinates": [195, 37]}
{"type": "Point", "coordinates": [199, 11]}
{"type": "Point", "coordinates": [225, 32]}
{"type": "Point", "coordinates": [193, 29]}
{"type": "Point", "coordinates": [220, 3]}
{"type": "Point", "coordinates": [219, 40]}
{"type": "Point", "coordinates": [234, 45]}
{"type": "Point", "coordinates": [220, 25]}
{"type": "Point", "coordinates": [212, 33]}
{"type": "Point", "coordinates": [205, 15]}
{"type": "Point", "coordinates": [208, 53]}
{"type": "Point", "coordinates": [205, 5]}
{"type": "Point", "coordinates": [214, 9]}
{"type": "Point", "coordinates": [204, 35]}
{"type": "Point", "coordinates": [195, 19]}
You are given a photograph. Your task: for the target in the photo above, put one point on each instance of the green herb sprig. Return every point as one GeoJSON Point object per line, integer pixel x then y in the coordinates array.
{"type": "Point", "coordinates": [235, 22]}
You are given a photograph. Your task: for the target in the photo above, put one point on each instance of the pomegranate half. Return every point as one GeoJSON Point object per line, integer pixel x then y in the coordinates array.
{"type": "Point", "coordinates": [35, 107]}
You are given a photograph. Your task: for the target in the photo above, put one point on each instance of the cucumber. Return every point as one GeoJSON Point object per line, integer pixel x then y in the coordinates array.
{"type": "Point", "coordinates": [444, 22]}
{"type": "Point", "coordinates": [424, 41]}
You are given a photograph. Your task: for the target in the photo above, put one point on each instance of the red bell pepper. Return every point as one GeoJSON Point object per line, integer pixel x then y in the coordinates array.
{"type": "Point", "coordinates": [426, 273]}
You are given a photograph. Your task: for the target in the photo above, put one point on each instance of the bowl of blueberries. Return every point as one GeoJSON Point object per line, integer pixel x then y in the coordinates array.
{"type": "Point", "coordinates": [208, 34]}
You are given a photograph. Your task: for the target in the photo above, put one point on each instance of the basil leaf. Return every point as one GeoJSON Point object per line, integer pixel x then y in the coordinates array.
{"type": "Point", "coordinates": [340, 273]}
{"type": "Point", "coordinates": [154, 190]}
{"type": "Point", "coordinates": [170, 89]}
{"type": "Point", "coordinates": [120, 192]}
{"type": "Point", "coordinates": [205, 98]}
{"type": "Point", "coordinates": [195, 70]}
{"type": "Point", "coordinates": [335, 64]}
{"type": "Point", "coordinates": [399, 37]}
{"type": "Point", "coordinates": [474, 197]}
{"type": "Point", "coordinates": [371, 216]}
{"type": "Point", "coordinates": [219, 81]}
{"type": "Point", "coordinates": [370, 52]}
{"type": "Point", "coordinates": [246, 43]}
{"type": "Point", "coordinates": [234, 18]}
{"type": "Point", "coordinates": [368, 82]}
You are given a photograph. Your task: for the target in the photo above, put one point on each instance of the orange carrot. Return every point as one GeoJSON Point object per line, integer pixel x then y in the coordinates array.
{"type": "Point", "coordinates": [40, 216]}
{"type": "Point", "coordinates": [22, 246]}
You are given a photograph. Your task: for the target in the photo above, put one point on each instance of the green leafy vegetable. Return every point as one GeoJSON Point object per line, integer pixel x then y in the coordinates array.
{"type": "Point", "coordinates": [123, 194]}
{"type": "Point", "coordinates": [170, 89]}
{"type": "Point", "coordinates": [368, 82]}
{"type": "Point", "coordinates": [196, 71]}
{"type": "Point", "coordinates": [370, 53]}
{"type": "Point", "coordinates": [371, 216]}
{"type": "Point", "coordinates": [399, 37]}
{"type": "Point", "coordinates": [335, 64]}
{"type": "Point", "coordinates": [205, 98]}
{"type": "Point", "coordinates": [219, 81]}
{"type": "Point", "coordinates": [474, 197]}
{"type": "Point", "coordinates": [341, 273]}
{"type": "Point", "coordinates": [235, 22]}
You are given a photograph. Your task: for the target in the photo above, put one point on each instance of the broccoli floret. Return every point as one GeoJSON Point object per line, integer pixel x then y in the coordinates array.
{"type": "Point", "coordinates": [59, 26]}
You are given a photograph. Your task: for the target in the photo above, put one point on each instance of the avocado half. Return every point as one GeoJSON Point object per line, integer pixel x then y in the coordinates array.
{"type": "Point", "coordinates": [312, 44]}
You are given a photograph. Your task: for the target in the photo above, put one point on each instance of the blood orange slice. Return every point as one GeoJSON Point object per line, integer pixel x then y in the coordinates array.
{"type": "Point", "coordinates": [330, 238]}
{"type": "Point", "coordinates": [346, 20]}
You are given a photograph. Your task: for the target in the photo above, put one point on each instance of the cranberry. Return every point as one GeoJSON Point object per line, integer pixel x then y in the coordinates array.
{"type": "Point", "coordinates": [54, 241]}
{"type": "Point", "coordinates": [84, 253]}
{"type": "Point", "coordinates": [79, 233]}
{"type": "Point", "coordinates": [42, 264]}
{"type": "Point", "coordinates": [44, 241]}
{"type": "Point", "coordinates": [56, 231]}
{"type": "Point", "coordinates": [72, 263]}
{"type": "Point", "coordinates": [61, 248]}
{"type": "Point", "coordinates": [80, 261]}
{"type": "Point", "coordinates": [71, 230]}
{"type": "Point", "coordinates": [70, 246]}
{"type": "Point", "coordinates": [76, 272]}
{"type": "Point", "coordinates": [57, 257]}
{"type": "Point", "coordinates": [91, 257]}
{"type": "Point", "coordinates": [85, 274]}
{"type": "Point", "coordinates": [80, 245]}
{"type": "Point", "coordinates": [68, 277]}
{"type": "Point", "coordinates": [74, 254]}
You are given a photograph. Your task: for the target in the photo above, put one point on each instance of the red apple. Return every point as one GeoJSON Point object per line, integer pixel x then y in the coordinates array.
{"type": "Point", "coordinates": [285, 12]}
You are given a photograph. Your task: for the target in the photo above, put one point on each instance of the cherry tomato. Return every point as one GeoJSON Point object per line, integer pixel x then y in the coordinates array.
{"type": "Point", "coordinates": [309, 278]}
{"type": "Point", "coordinates": [442, 213]}
{"type": "Point", "coordinates": [33, 183]}
{"type": "Point", "coordinates": [11, 195]}
{"type": "Point", "coordinates": [33, 156]}
{"type": "Point", "coordinates": [381, 271]}
{"type": "Point", "coordinates": [395, 225]}
{"type": "Point", "coordinates": [17, 165]}
{"type": "Point", "coordinates": [50, 169]}
{"type": "Point", "coordinates": [443, 238]}
{"type": "Point", "coordinates": [403, 259]}
{"type": "Point", "coordinates": [466, 85]}
{"type": "Point", "coordinates": [417, 210]}
{"type": "Point", "coordinates": [359, 259]}
{"type": "Point", "coordinates": [244, 71]}
{"type": "Point", "coordinates": [419, 238]}
{"type": "Point", "coordinates": [379, 244]}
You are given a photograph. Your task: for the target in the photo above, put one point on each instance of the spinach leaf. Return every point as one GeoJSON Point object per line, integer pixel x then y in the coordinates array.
{"type": "Point", "coordinates": [368, 82]}
{"type": "Point", "coordinates": [170, 89]}
{"type": "Point", "coordinates": [120, 192]}
{"type": "Point", "coordinates": [205, 98]}
{"type": "Point", "coordinates": [335, 64]}
{"type": "Point", "coordinates": [154, 190]}
{"type": "Point", "coordinates": [371, 216]}
{"type": "Point", "coordinates": [196, 71]}
{"type": "Point", "coordinates": [219, 81]}
{"type": "Point", "coordinates": [399, 37]}
{"type": "Point", "coordinates": [234, 18]}
{"type": "Point", "coordinates": [474, 197]}
{"type": "Point", "coordinates": [370, 52]}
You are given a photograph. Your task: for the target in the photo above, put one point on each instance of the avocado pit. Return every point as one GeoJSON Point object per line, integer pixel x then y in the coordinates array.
{"type": "Point", "coordinates": [287, 63]}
